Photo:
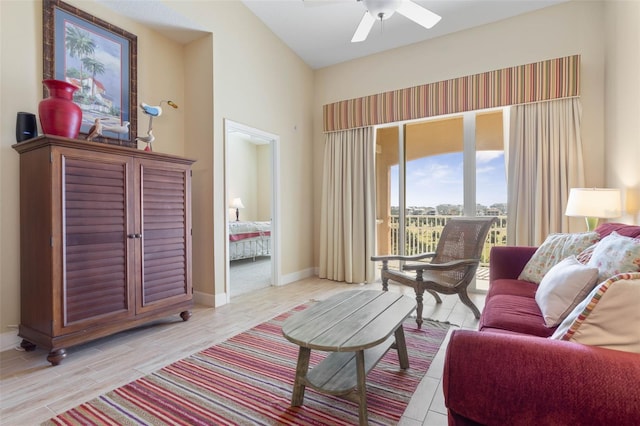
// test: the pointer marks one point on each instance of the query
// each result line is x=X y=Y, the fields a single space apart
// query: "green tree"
x=95 y=67
x=79 y=45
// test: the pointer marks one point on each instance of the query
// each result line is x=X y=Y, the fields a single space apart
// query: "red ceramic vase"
x=58 y=114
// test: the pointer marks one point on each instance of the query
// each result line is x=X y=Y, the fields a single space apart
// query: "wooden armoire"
x=105 y=240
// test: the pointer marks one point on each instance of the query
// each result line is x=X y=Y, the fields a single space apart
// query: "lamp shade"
x=594 y=202
x=237 y=203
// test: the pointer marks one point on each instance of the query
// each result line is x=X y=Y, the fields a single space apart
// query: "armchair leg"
x=435 y=295
x=419 y=293
x=385 y=280
x=464 y=298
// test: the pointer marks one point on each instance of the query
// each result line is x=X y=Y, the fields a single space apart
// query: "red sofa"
x=509 y=373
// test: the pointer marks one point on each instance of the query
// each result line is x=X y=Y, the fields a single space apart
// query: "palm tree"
x=79 y=44
x=96 y=67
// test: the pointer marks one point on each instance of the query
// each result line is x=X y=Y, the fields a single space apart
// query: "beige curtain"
x=545 y=162
x=347 y=226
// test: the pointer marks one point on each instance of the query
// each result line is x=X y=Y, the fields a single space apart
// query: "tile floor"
x=31 y=391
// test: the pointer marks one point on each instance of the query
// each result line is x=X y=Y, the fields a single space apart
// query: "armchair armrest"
x=509 y=261
x=415 y=257
x=446 y=266
x=493 y=378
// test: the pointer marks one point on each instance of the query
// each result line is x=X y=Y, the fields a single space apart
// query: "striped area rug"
x=248 y=380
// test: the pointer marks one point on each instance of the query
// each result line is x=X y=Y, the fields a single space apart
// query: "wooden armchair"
x=452 y=266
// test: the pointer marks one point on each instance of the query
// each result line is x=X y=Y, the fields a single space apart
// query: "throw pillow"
x=616 y=254
x=608 y=317
x=562 y=288
x=585 y=255
x=555 y=248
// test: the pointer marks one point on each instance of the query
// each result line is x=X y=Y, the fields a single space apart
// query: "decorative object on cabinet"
x=152 y=111
x=105 y=240
x=73 y=40
x=26 y=127
x=95 y=130
x=59 y=115
x=120 y=129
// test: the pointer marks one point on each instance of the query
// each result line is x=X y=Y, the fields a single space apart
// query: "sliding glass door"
x=432 y=170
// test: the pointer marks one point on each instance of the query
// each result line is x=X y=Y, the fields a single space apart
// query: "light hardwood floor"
x=32 y=391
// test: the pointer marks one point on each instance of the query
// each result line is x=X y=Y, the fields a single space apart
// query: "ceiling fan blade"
x=418 y=14
x=363 y=28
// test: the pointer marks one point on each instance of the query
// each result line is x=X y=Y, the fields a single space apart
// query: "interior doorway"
x=252 y=209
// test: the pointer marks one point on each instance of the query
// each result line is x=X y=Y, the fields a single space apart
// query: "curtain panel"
x=540 y=81
x=545 y=162
x=347 y=225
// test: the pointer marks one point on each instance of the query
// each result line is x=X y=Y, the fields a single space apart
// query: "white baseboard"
x=9 y=340
x=205 y=299
x=221 y=299
x=297 y=276
x=217 y=300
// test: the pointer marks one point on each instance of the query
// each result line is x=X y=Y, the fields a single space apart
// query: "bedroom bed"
x=248 y=240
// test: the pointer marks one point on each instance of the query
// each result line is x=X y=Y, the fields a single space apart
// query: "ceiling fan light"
x=381 y=9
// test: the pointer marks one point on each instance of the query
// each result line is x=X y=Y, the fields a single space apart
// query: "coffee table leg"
x=297 y=398
x=401 y=346
x=362 y=388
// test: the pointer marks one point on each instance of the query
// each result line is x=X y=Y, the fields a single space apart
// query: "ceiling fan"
x=383 y=9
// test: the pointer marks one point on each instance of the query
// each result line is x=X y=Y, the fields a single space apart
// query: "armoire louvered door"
x=97 y=257
x=166 y=233
x=105 y=240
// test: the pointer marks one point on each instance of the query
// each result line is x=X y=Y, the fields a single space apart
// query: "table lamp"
x=237 y=204
x=594 y=204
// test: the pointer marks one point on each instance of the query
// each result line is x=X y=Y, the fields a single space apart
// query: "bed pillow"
x=616 y=254
x=555 y=248
x=563 y=287
x=608 y=317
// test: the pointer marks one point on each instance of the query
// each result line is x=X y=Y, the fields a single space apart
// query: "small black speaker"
x=26 y=127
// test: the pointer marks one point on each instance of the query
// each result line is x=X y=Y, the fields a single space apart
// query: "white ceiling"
x=320 y=31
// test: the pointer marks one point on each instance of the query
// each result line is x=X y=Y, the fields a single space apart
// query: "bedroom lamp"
x=593 y=204
x=237 y=204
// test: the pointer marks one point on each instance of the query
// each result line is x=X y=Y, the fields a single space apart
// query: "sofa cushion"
x=607 y=228
x=563 y=287
x=616 y=254
x=555 y=248
x=514 y=313
x=608 y=317
x=512 y=287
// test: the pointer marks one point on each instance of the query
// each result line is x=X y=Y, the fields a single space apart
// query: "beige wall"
x=242 y=175
x=199 y=94
x=622 y=104
x=260 y=83
x=572 y=28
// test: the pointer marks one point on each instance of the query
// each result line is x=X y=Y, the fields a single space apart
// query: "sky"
x=438 y=180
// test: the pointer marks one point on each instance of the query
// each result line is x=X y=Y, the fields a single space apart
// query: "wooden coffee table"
x=358 y=328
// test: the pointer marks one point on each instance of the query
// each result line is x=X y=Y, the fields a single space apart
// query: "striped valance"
x=540 y=81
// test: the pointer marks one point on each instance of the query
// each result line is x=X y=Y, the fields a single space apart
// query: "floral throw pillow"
x=616 y=254
x=555 y=248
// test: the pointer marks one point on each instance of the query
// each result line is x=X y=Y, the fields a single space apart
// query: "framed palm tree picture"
x=100 y=59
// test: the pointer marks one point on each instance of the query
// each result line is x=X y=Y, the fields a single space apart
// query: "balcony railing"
x=423 y=233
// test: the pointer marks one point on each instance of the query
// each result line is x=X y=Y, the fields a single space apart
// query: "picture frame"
x=99 y=58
